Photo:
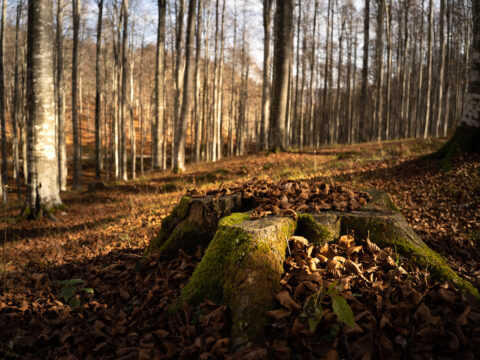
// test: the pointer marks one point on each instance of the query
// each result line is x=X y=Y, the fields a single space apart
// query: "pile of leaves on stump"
x=286 y=197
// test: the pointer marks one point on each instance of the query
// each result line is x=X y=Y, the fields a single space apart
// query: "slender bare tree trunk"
x=159 y=88
x=205 y=107
x=214 y=142
x=267 y=20
x=123 y=104
x=311 y=106
x=339 y=77
x=233 y=87
x=404 y=96
x=379 y=76
x=77 y=152
x=302 y=141
x=42 y=187
x=364 y=94
x=179 y=159
x=297 y=125
x=116 y=73
x=429 y=70
x=219 y=114
x=179 y=64
x=283 y=44
x=98 y=91
x=420 y=78
x=4 y=170
x=389 y=69
x=16 y=100
x=354 y=119
x=326 y=77
x=140 y=104
x=196 y=91
x=62 y=145
x=441 y=70
x=105 y=121
x=133 y=143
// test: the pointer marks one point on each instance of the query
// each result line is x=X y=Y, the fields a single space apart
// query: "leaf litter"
x=399 y=312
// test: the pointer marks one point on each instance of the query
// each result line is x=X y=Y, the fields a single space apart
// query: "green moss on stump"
x=394 y=232
x=312 y=230
x=242 y=268
x=169 y=223
x=181 y=238
x=229 y=245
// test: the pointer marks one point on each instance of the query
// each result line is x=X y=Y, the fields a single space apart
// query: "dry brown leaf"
x=346 y=241
x=286 y=300
x=278 y=314
x=372 y=247
x=354 y=250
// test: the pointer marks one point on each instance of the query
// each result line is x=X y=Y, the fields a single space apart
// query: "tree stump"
x=243 y=263
x=242 y=268
x=194 y=222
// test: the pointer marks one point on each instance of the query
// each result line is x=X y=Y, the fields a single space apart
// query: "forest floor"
x=101 y=234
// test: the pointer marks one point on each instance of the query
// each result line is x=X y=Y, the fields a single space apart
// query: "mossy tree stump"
x=242 y=268
x=243 y=263
x=194 y=222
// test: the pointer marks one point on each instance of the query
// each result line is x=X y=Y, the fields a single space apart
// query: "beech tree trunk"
x=364 y=94
x=159 y=88
x=426 y=128
x=267 y=19
x=178 y=76
x=98 y=91
x=4 y=168
x=61 y=136
x=379 y=77
x=179 y=158
x=123 y=100
x=471 y=108
x=16 y=108
x=77 y=152
x=283 y=44
x=42 y=187
x=467 y=135
x=441 y=70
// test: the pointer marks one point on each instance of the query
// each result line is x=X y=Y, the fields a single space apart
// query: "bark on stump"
x=243 y=263
x=194 y=222
x=242 y=268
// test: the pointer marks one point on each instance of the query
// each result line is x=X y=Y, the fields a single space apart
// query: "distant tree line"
x=84 y=80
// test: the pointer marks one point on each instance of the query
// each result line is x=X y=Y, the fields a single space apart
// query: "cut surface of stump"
x=243 y=262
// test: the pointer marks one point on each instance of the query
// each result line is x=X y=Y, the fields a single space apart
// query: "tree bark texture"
x=42 y=187
x=283 y=32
